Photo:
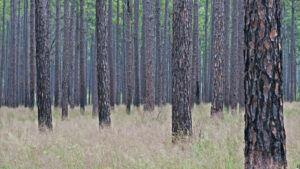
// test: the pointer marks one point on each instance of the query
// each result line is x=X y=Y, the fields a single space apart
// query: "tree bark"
x=77 y=55
x=82 y=63
x=293 y=57
x=65 y=72
x=165 y=55
x=195 y=65
x=26 y=87
x=32 y=53
x=218 y=59
x=43 y=64
x=57 y=55
x=205 y=64
x=136 y=53
x=158 y=74
x=181 y=110
x=102 y=69
x=110 y=54
x=148 y=55
x=128 y=55
x=71 y=61
x=118 y=58
x=3 y=52
x=264 y=127
x=226 y=54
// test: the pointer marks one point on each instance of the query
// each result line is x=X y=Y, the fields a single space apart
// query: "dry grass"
x=138 y=140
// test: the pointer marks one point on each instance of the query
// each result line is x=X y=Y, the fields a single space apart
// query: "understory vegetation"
x=138 y=140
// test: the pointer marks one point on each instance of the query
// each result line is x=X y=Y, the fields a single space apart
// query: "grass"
x=139 y=140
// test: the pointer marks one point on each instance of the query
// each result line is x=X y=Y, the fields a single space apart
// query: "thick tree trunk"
x=82 y=63
x=65 y=72
x=128 y=55
x=149 y=55
x=102 y=69
x=43 y=64
x=32 y=53
x=195 y=66
x=181 y=110
x=264 y=127
x=57 y=55
x=226 y=54
x=218 y=58
x=136 y=52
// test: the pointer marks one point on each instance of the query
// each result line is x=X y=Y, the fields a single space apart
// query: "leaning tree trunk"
x=102 y=69
x=218 y=43
x=149 y=55
x=65 y=72
x=82 y=63
x=181 y=110
x=264 y=127
x=43 y=64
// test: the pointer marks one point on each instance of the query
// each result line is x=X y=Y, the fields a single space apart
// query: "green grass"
x=138 y=140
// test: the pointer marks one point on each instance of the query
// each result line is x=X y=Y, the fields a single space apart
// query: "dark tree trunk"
x=77 y=54
x=82 y=63
x=95 y=81
x=158 y=73
x=212 y=50
x=65 y=72
x=181 y=110
x=57 y=55
x=128 y=55
x=293 y=57
x=102 y=69
x=205 y=66
x=71 y=61
x=234 y=57
x=43 y=64
x=240 y=53
x=136 y=52
x=26 y=88
x=118 y=58
x=165 y=55
x=226 y=54
x=3 y=52
x=110 y=54
x=18 y=81
x=264 y=127
x=124 y=74
x=195 y=66
x=142 y=62
x=32 y=53
x=12 y=58
x=218 y=58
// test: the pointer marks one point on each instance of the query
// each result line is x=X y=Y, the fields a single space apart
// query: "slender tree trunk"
x=32 y=53
x=18 y=81
x=218 y=59
x=118 y=58
x=264 y=127
x=26 y=87
x=102 y=71
x=57 y=55
x=82 y=63
x=293 y=57
x=205 y=66
x=165 y=55
x=240 y=53
x=95 y=80
x=3 y=52
x=212 y=52
x=158 y=75
x=181 y=110
x=43 y=64
x=234 y=57
x=124 y=73
x=64 y=98
x=149 y=55
x=142 y=62
x=136 y=52
x=76 y=73
x=71 y=61
x=110 y=54
x=195 y=65
x=128 y=55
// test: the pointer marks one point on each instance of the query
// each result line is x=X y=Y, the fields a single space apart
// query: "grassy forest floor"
x=138 y=140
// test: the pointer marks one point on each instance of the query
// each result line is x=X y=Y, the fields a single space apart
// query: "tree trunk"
x=26 y=88
x=43 y=64
x=71 y=61
x=95 y=81
x=136 y=52
x=226 y=54
x=32 y=53
x=128 y=54
x=264 y=127
x=205 y=64
x=158 y=73
x=165 y=55
x=195 y=65
x=77 y=54
x=148 y=55
x=240 y=53
x=293 y=57
x=110 y=54
x=102 y=69
x=82 y=63
x=65 y=72
x=218 y=59
x=57 y=55
x=234 y=57
x=3 y=52
x=118 y=58
x=181 y=110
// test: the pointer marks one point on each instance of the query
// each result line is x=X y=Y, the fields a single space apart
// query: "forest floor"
x=139 y=140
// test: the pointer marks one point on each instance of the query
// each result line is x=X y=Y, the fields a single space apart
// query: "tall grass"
x=138 y=140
